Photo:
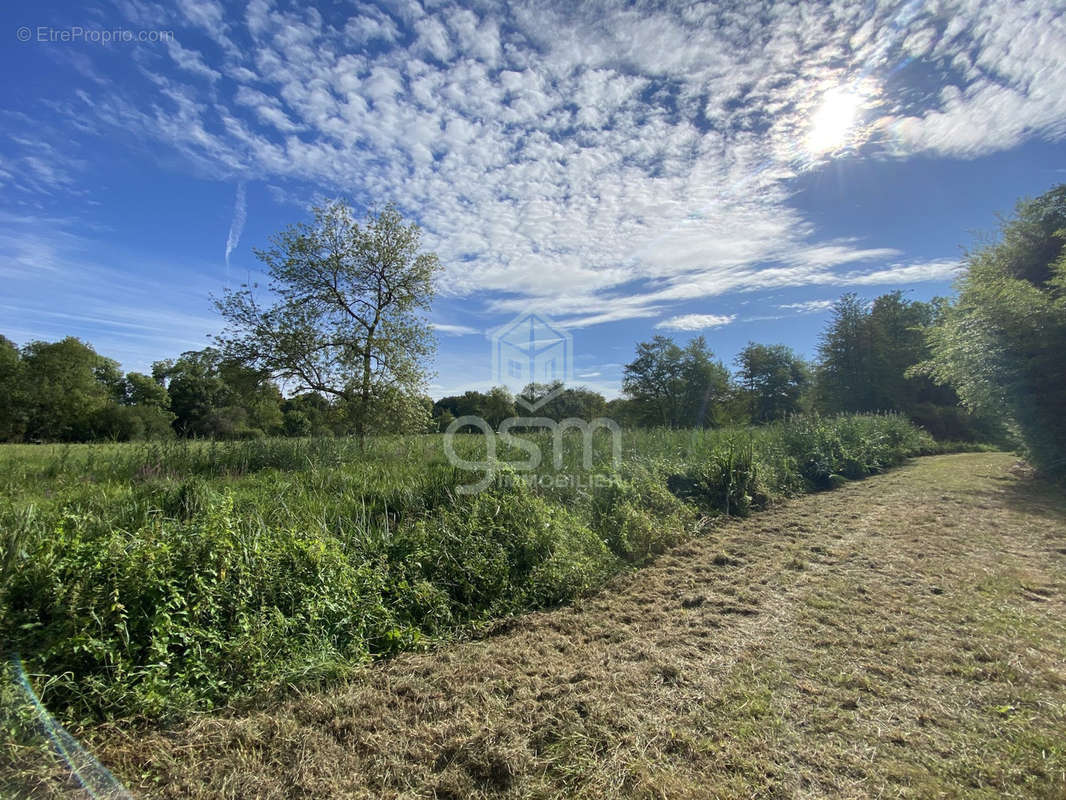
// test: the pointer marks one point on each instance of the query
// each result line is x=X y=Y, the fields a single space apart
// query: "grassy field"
x=902 y=636
x=147 y=582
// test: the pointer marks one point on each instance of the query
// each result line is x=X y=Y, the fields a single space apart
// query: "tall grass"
x=153 y=579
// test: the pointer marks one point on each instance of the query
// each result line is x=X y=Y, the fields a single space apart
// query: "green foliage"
x=324 y=418
x=774 y=380
x=132 y=423
x=848 y=447
x=866 y=352
x=346 y=318
x=493 y=406
x=729 y=480
x=869 y=354
x=673 y=386
x=62 y=388
x=639 y=515
x=508 y=550
x=567 y=402
x=1001 y=344
x=145 y=390
x=160 y=577
x=187 y=611
x=296 y=423
x=12 y=422
x=496 y=405
x=211 y=396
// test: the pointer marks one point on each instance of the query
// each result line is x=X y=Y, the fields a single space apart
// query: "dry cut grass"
x=904 y=636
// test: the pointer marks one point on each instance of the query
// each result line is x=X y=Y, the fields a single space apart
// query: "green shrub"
x=638 y=516
x=728 y=481
x=188 y=614
x=502 y=550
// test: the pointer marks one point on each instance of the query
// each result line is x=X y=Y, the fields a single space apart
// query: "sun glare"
x=834 y=121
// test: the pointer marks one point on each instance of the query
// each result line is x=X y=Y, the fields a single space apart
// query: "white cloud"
x=602 y=164
x=898 y=274
x=206 y=14
x=371 y=24
x=695 y=322
x=454 y=330
x=1011 y=86
x=809 y=306
x=191 y=61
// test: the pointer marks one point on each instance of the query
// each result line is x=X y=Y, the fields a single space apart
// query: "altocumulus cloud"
x=578 y=155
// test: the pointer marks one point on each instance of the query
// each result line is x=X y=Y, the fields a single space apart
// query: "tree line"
x=343 y=328
x=65 y=391
x=868 y=360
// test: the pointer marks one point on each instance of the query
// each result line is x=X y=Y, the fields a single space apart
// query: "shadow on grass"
x=1022 y=491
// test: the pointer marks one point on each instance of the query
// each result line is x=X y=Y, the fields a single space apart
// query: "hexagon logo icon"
x=532 y=352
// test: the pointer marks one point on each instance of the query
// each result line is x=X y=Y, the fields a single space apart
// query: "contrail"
x=240 y=212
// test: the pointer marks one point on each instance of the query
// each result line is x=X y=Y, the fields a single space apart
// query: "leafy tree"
x=442 y=418
x=296 y=423
x=65 y=385
x=12 y=422
x=145 y=390
x=211 y=396
x=123 y=423
x=253 y=391
x=393 y=411
x=497 y=406
x=845 y=374
x=1001 y=346
x=623 y=411
x=577 y=402
x=152 y=422
x=470 y=403
x=898 y=333
x=196 y=389
x=867 y=354
x=674 y=386
x=774 y=380
x=493 y=406
x=319 y=412
x=573 y=402
x=347 y=318
x=143 y=413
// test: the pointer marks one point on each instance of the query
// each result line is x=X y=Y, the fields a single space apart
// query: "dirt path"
x=901 y=636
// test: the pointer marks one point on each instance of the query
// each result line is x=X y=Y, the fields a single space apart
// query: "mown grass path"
x=903 y=636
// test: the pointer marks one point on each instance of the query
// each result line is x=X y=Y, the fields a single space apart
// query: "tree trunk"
x=364 y=396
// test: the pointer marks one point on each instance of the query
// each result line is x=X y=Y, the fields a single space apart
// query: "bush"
x=188 y=614
x=507 y=550
x=638 y=516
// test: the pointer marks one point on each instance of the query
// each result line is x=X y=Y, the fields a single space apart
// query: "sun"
x=834 y=121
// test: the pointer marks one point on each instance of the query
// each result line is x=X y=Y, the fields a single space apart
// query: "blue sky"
x=715 y=169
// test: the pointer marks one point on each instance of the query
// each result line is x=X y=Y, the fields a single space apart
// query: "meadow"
x=153 y=580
